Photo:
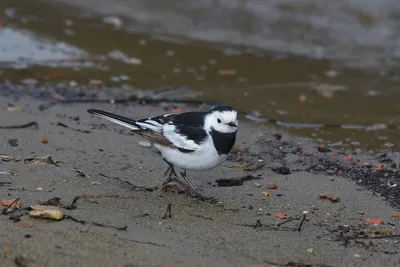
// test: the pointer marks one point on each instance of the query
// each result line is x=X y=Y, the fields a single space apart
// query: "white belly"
x=204 y=158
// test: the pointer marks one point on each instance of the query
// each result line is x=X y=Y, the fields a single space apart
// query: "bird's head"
x=222 y=119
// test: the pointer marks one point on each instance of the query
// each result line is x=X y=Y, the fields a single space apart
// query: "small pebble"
x=256 y=184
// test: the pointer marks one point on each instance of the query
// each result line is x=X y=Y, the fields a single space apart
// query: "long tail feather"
x=124 y=121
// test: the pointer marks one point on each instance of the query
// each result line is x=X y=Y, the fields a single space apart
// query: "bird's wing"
x=181 y=131
x=185 y=138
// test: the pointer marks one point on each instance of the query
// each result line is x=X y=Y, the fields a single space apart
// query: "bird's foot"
x=178 y=186
x=175 y=185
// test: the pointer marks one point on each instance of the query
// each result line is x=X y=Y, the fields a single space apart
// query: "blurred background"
x=305 y=63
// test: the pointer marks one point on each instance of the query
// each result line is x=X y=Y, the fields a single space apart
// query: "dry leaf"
x=375 y=221
x=7 y=202
x=44 y=141
x=272 y=186
x=396 y=215
x=330 y=197
x=379 y=167
x=280 y=215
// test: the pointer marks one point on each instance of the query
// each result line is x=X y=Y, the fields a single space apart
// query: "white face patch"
x=221 y=121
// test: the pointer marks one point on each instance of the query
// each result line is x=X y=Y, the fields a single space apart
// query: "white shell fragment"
x=46 y=212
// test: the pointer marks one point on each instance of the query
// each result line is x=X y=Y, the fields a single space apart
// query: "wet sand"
x=199 y=233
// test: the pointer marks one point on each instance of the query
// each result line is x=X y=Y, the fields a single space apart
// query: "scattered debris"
x=229 y=181
x=235 y=181
x=333 y=199
x=41 y=161
x=26 y=125
x=120 y=228
x=12 y=142
x=265 y=194
x=5 y=158
x=68 y=127
x=9 y=208
x=375 y=221
x=323 y=149
x=80 y=173
x=294 y=264
x=10 y=203
x=56 y=202
x=280 y=215
x=272 y=186
x=282 y=170
x=46 y=212
x=168 y=212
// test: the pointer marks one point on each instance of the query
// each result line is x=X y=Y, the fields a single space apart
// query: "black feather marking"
x=193 y=119
x=184 y=150
x=196 y=134
x=223 y=142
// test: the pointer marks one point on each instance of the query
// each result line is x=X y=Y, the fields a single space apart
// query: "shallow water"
x=72 y=44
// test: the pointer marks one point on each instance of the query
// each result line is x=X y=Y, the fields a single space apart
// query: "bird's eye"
x=219 y=121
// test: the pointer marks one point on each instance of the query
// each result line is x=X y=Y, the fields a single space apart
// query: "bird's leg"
x=170 y=169
x=183 y=173
x=174 y=183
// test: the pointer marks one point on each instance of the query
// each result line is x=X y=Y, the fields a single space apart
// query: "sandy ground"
x=199 y=233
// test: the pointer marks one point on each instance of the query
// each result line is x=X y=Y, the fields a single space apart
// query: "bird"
x=195 y=140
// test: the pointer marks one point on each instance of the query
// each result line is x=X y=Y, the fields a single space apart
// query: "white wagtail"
x=190 y=140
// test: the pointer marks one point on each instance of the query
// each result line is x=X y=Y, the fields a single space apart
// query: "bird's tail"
x=129 y=123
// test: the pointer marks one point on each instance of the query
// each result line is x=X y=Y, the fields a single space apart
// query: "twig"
x=68 y=127
x=303 y=216
x=302 y=222
x=290 y=219
x=129 y=184
x=258 y=224
x=120 y=228
x=10 y=205
x=80 y=173
x=26 y=125
x=168 y=212
x=148 y=243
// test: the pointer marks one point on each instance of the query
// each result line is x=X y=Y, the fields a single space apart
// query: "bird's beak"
x=232 y=124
